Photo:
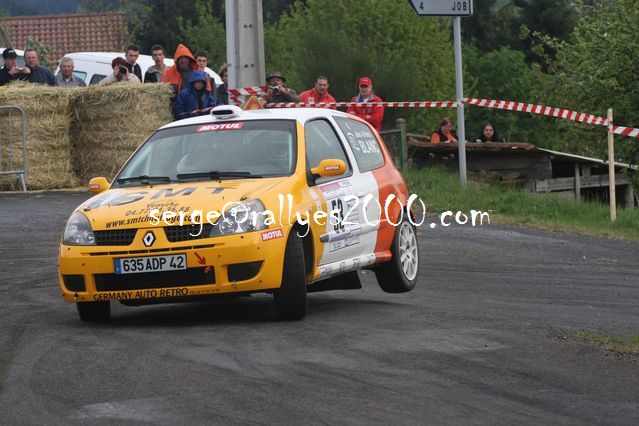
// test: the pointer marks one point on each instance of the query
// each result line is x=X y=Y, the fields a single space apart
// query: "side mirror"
x=98 y=184
x=329 y=167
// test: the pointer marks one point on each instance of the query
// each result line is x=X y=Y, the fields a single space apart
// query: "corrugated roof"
x=69 y=32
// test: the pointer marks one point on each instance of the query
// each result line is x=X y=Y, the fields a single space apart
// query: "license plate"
x=134 y=265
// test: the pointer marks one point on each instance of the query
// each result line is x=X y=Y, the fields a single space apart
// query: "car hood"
x=122 y=208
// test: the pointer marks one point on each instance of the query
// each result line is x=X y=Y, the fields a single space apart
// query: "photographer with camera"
x=277 y=92
x=120 y=73
x=10 y=71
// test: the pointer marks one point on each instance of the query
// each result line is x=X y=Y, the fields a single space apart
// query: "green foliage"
x=205 y=32
x=628 y=345
x=503 y=74
x=159 y=23
x=408 y=57
x=441 y=191
x=598 y=69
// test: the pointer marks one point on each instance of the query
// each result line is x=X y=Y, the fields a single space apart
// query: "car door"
x=349 y=241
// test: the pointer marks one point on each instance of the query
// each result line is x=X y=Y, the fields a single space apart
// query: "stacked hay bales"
x=48 y=143
x=109 y=122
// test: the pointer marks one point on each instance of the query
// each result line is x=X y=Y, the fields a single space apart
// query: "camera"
x=275 y=89
x=123 y=70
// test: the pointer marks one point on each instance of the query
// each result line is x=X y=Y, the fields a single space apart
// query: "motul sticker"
x=331 y=168
x=221 y=126
x=269 y=235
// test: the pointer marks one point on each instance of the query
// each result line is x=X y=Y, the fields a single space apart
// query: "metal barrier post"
x=20 y=173
x=401 y=124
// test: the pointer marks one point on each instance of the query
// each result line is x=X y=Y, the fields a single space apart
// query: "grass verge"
x=622 y=345
x=440 y=191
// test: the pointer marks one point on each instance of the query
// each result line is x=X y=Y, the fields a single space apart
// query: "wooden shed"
x=528 y=166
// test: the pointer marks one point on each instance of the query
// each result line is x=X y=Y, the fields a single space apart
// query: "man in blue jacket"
x=195 y=99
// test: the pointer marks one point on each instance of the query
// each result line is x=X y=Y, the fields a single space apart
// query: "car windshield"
x=226 y=150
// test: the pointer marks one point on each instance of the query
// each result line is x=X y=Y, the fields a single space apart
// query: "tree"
x=597 y=69
x=206 y=32
x=408 y=57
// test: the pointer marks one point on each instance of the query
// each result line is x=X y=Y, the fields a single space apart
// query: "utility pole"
x=245 y=43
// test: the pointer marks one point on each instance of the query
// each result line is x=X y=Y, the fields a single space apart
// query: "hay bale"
x=109 y=122
x=48 y=144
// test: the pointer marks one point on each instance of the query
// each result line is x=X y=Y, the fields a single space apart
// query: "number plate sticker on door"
x=133 y=265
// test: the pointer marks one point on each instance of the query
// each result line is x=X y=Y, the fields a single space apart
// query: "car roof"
x=301 y=114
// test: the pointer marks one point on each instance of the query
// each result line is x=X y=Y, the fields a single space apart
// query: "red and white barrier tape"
x=553 y=112
x=488 y=103
x=434 y=104
x=539 y=109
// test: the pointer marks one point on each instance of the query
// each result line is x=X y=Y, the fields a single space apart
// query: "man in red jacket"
x=319 y=93
x=370 y=113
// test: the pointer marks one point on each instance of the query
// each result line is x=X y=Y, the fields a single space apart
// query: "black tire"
x=393 y=276
x=94 y=311
x=290 y=298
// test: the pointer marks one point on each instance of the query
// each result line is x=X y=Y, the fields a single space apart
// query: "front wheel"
x=290 y=298
x=400 y=274
x=94 y=311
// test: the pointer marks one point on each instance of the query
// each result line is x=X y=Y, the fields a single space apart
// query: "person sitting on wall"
x=445 y=133
x=120 y=73
x=195 y=99
x=488 y=134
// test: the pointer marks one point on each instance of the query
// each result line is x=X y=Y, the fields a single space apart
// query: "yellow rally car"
x=285 y=201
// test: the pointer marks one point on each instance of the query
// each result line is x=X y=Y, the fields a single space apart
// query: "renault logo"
x=148 y=239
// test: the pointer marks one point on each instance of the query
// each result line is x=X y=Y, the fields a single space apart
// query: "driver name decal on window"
x=222 y=126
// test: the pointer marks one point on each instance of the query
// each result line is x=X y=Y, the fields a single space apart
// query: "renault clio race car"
x=283 y=201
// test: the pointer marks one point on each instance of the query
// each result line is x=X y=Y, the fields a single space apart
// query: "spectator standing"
x=201 y=62
x=131 y=56
x=371 y=113
x=120 y=73
x=222 y=91
x=38 y=74
x=155 y=71
x=277 y=91
x=488 y=134
x=195 y=99
x=319 y=93
x=179 y=74
x=445 y=133
x=65 y=77
x=10 y=71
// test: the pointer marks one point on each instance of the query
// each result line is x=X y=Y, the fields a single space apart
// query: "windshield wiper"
x=145 y=179
x=216 y=174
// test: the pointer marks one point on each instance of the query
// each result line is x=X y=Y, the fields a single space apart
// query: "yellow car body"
x=129 y=231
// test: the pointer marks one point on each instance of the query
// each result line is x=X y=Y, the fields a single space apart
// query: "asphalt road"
x=488 y=336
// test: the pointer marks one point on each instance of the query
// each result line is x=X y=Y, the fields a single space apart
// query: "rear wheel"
x=94 y=311
x=400 y=274
x=290 y=298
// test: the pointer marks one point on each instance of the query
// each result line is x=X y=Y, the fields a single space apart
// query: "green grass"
x=622 y=345
x=440 y=190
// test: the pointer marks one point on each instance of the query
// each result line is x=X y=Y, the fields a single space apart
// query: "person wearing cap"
x=10 y=71
x=195 y=99
x=371 y=113
x=319 y=93
x=38 y=74
x=65 y=77
x=120 y=73
x=277 y=91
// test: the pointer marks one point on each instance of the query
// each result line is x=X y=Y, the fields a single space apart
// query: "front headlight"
x=78 y=231
x=238 y=218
